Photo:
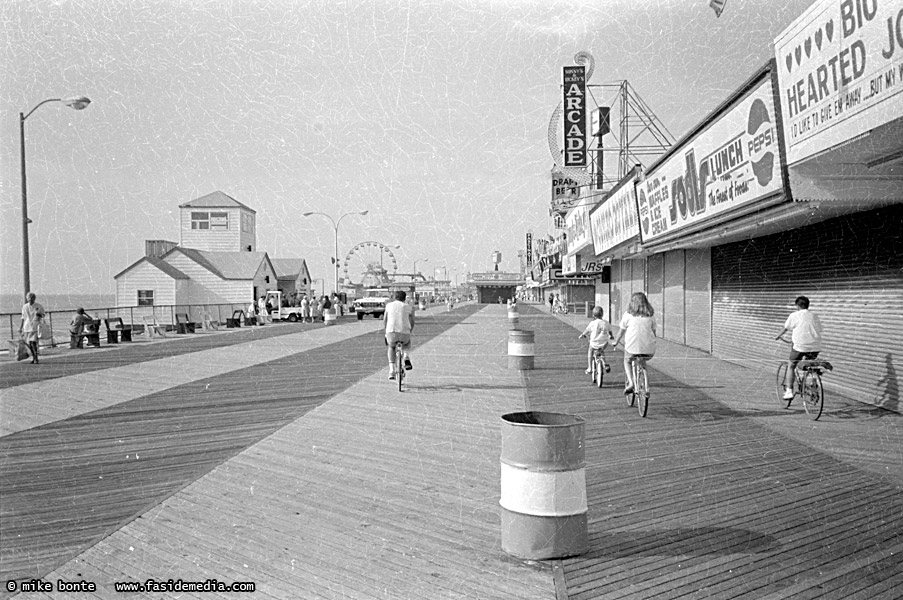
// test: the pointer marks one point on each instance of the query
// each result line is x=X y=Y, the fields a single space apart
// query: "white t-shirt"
x=806 y=329
x=598 y=332
x=639 y=334
x=398 y=317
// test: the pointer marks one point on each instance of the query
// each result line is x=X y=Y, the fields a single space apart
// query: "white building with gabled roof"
x=215 y=262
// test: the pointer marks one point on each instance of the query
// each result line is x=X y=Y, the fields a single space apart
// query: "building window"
x=219 y=221
x=200 y=220
x=145 y=297
x=246 y=223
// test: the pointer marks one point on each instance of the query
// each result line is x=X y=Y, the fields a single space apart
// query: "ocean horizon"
x=12 y=303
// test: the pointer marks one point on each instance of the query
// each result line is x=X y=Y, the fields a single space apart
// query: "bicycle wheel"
x=631 y=397
x=600 y=371
x=593 y=368
x=399 y=366
x=780 y=385
x=642 y=390
x=813 y=395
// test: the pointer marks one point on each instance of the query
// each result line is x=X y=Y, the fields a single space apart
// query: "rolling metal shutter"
x=851 y=268
x=698 y=298
x=655 y=278
x=672 y=321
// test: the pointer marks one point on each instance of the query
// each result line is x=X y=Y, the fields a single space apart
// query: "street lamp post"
x=417 y=261
x=335 y=227
x=77 y=103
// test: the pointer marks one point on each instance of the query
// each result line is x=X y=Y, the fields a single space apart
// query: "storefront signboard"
x=732 y=163
x=574 y=79
x=578 y=233
x=495 y=276
x=565 y=192
x=840 y=73
x=558 y=275
x=615 y=221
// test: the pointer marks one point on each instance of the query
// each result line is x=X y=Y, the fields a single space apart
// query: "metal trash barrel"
x=589 y=310
x=543 y=485
x=520 y=349
x=329 y=316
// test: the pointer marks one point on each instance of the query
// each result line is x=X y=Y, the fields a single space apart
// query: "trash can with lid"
x=543 y=485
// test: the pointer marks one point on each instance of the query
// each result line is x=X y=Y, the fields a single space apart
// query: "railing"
x=131 y=315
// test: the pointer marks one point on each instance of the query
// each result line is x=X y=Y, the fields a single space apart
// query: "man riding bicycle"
x=399 y=320
x=806 y=329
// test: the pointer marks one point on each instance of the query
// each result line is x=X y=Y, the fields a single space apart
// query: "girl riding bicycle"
x=638 y=331
x=599 y=332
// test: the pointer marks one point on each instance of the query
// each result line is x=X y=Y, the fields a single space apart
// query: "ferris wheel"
x=370 y=264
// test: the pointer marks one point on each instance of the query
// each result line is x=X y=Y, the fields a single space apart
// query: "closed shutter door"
x=655 y=282
x=673 y=318
x=616 y=308
x=698 y=298
x=850 y=268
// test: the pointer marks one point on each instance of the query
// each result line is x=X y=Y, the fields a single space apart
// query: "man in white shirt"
x=806 y=330
x=399 y=320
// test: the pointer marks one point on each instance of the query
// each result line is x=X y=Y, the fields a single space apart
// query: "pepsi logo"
x=761 y=142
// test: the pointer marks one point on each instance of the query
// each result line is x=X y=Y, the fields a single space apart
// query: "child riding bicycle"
x=637 y=328
x=599 y=332
x=806 y=330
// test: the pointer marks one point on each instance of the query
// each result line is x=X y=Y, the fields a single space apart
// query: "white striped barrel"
x=520 y=349
x=543 y=485
x=329 y=316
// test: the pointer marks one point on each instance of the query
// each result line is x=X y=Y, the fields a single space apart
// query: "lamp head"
x=363 y=212
x=307 y=214
x=77 y=102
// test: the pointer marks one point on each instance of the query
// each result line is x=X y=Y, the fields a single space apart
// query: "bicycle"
x=598 y=367
x=399 y=364
x=806 y=384
x=640 y=393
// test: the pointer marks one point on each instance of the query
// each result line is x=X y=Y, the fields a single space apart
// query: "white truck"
x=279 y=312
x=373 y=303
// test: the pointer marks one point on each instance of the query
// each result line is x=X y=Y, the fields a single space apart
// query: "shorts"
x=628 y=356
x=404 y=338
x=796 y=356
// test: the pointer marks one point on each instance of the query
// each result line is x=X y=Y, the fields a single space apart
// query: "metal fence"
x=134 y=316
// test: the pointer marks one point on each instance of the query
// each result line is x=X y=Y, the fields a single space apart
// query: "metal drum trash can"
x=329 y=316
x=520 y=349
x=543 y=485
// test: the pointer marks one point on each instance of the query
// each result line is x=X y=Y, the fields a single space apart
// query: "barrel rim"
x=568 y=420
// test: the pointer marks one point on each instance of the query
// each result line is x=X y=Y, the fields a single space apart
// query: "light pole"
x=335 y=226
x=77 y=103
x=417 y=261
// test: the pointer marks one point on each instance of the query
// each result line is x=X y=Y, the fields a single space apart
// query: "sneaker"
x=392 y=376
x=628 y=390
x=588 y=371
x=788 y=394
x=407 y=364
x=607 y=369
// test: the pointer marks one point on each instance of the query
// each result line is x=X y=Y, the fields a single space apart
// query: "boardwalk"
x=281 y=456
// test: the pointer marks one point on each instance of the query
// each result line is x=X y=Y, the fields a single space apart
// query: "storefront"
x=496 y=286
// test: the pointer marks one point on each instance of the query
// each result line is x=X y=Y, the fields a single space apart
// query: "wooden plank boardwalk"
x=307 y=473
x=702 y=500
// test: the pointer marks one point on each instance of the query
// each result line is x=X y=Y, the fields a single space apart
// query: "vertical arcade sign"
x=529 y=249
x=574 y=78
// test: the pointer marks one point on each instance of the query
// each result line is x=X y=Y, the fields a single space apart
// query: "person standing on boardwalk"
x=30 y=325
x=305 y=309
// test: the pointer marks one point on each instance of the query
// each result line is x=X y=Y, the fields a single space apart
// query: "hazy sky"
x=432 y=115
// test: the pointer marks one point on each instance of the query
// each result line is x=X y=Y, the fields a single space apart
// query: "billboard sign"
x=578 y=234
x=574 y=78
x=615 y=221
x=733 y=162
x=840 y=73
x=565 y=192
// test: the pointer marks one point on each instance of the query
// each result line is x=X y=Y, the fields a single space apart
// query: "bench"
x=117 y=331
x=90 y=333
x=235 y=319
x=183 y=325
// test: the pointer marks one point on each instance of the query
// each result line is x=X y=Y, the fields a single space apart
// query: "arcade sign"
x=574 y=78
